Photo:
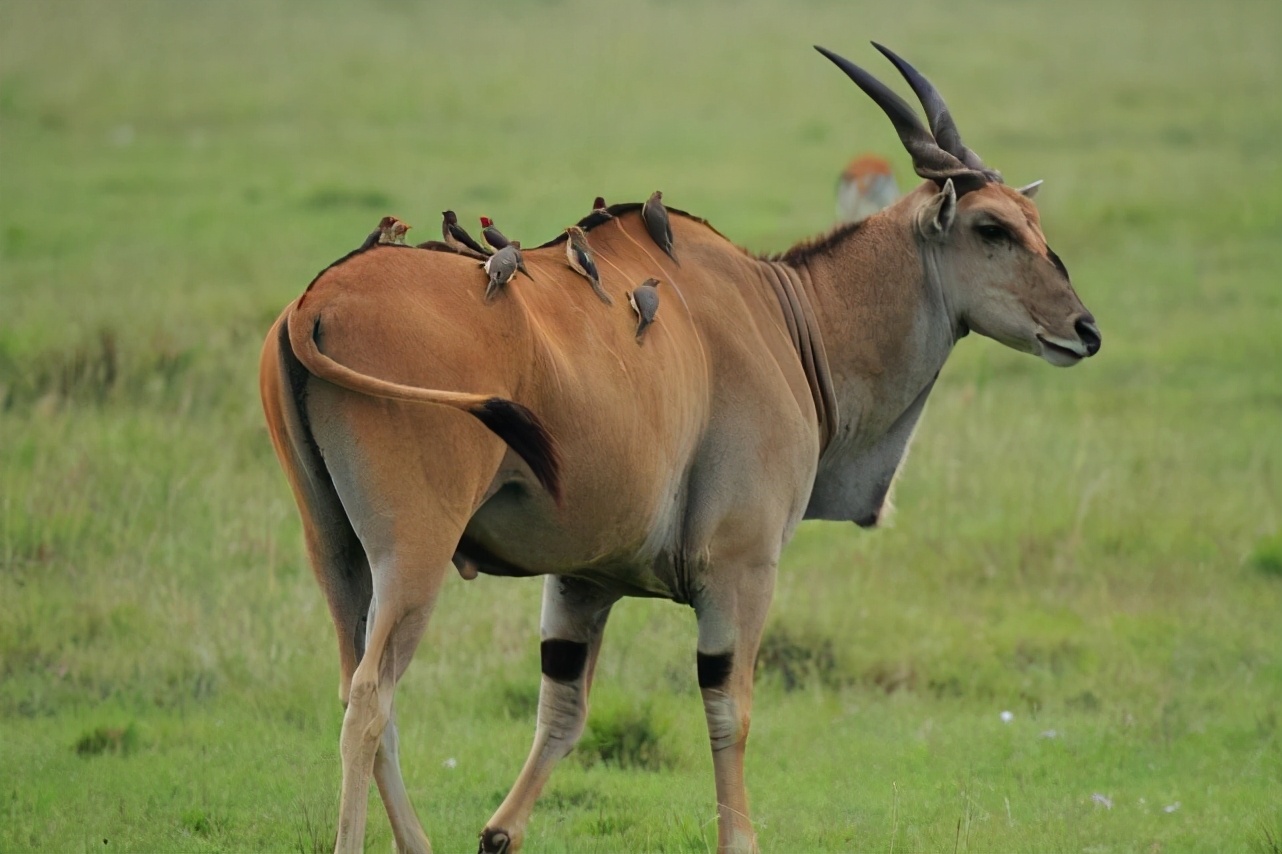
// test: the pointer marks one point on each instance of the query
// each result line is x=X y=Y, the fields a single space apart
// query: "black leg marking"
x=563 y=660
x=714 y=670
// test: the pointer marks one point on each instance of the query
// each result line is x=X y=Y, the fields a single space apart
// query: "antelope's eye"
x=992 y=232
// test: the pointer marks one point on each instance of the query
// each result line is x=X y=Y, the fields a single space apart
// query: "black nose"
x=1089 y=333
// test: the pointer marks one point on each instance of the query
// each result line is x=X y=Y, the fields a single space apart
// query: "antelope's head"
x=982 y=241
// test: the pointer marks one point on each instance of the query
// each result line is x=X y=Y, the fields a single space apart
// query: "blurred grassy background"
x=1097 y=551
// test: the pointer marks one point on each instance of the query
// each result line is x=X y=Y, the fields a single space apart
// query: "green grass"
x=1097 y=551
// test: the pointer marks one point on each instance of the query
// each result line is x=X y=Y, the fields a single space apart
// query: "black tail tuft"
x=520 y=428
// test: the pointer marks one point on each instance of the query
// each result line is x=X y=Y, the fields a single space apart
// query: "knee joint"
x=726 y=727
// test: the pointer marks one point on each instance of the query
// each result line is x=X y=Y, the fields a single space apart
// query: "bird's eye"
x=992 y=232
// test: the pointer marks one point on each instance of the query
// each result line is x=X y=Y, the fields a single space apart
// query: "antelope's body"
x=767 y=391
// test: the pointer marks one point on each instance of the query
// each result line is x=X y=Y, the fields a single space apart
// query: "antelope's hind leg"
x=369 y=742
x=343 y=571
x=572 y=625
x=408 y=503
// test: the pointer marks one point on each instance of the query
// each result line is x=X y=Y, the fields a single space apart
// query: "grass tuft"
x=625 y=734
x=797 y=659
x=104 y=739
x=314 y=828
x=1266 y=556
x=1267 y=839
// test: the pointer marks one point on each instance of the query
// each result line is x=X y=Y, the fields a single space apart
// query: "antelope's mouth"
x=1061 y=354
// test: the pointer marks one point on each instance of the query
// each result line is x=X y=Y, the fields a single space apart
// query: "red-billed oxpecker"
x=392 y=230
x=502 y=266
x=579 y=256
x=456 y=236
x=645 y=302
x=655 y=217
x=492 y=235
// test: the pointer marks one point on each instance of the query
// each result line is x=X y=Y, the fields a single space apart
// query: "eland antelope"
x=418 y=425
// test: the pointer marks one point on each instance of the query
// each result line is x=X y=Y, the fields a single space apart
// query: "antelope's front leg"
x=732 y=612
x=573 y=622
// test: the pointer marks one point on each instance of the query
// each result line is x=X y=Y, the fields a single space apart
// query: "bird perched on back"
x=502 y=266
x=866 y=186
x=456 y=236
x=492 y=235
x=392 y=230
x=579 y=254
x=655 y=217
x=645 y=302
x=599 y=207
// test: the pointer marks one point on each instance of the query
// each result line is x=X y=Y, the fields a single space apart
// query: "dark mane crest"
x=588 y=223
x=597 y=218
x=815 y=246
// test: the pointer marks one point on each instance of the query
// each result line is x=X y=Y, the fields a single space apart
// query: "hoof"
x=494 y=841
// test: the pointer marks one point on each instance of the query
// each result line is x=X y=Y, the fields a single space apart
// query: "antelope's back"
x=629 y=418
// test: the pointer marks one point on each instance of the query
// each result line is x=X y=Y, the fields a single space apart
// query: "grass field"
x=1097 y=551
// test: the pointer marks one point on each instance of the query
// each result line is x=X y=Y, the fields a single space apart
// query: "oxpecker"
x=655 y=217
x=502 y=266
x=492 y=235
x=456 y=236
x=392 y=230
x=581 y=261
x=645 y=302
x=599 y=207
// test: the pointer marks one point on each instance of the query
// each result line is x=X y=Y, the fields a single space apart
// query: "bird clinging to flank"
x=392 y=230
x=456 y=236
x=655 y=217
x=492 y=235
x=645 y=302
x=581 y=261
x=502 y=266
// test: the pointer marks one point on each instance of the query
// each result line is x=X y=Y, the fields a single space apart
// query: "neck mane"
x=878 y=324
x=876 y=333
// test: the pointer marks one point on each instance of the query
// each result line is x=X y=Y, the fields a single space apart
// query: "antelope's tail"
x=510 y=421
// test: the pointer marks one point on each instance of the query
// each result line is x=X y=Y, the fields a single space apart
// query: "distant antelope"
x=769 y=390
x=866 y=185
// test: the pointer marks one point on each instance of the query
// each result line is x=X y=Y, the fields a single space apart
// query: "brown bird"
x=456 y=235
x=599 y=206
x=502 y=266
x=492 y=235
x=645 y=302
x=579 y=254
x=655 y=217
x=392 y=230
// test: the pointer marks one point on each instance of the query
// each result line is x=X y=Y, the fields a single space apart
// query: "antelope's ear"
x=935 y=218
x=1030 y=190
